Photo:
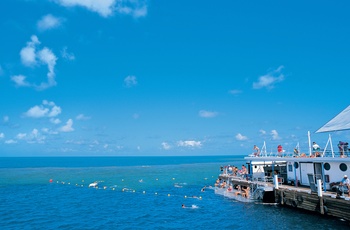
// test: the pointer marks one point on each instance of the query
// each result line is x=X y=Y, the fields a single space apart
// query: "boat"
x=266 y=171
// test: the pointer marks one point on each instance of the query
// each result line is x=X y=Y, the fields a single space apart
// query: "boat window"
x=290 y=168
x=327 y=166
x=296 y=165
x=343 y=167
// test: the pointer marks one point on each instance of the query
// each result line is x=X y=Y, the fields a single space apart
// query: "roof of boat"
x=275 y=159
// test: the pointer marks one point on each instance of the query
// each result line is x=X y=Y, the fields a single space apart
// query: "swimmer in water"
x=183 y=206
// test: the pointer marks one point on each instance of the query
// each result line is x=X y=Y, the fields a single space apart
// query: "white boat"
x=265 y=171
x=326 y=164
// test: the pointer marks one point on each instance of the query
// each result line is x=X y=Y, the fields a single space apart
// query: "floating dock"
x=325 y=203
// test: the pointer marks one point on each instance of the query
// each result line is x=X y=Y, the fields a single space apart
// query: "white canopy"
x=339 y=122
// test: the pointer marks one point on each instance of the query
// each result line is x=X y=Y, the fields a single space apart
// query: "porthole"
x=296 y=165
x=343 y=167
x=327 y=166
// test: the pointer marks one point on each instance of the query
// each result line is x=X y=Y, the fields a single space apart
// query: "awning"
x=339 y=122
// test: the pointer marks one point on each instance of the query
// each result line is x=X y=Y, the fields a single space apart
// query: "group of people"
x=233 y=170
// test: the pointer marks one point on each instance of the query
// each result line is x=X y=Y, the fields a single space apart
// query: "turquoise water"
x=133 y=193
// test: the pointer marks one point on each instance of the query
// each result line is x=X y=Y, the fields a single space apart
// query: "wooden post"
x=319 y=193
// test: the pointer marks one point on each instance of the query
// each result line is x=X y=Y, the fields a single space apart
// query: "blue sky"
x=133 y=77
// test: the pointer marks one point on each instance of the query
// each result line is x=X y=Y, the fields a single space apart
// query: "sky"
x=177 y=78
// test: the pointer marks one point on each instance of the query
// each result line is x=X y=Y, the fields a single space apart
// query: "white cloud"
x=27 y=54
x=33 y=137
x=55 y=121
x=48 y=22
x=66 y=55
x=262 y=132
x=32 y=58
x=269 y=80
x=46 y=109
x=130 y=81
x=166 y=146
x=2 y=135
x=82 y=117
x=240 y=137
x=275 y=135
x=207 y=114
x=11 y=141
x=189 y=143
x=20 y=81
x=106 y=8
x=21 y=136
x=68 y=127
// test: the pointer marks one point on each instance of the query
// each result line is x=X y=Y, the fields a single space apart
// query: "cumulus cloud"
x=11 y=141
x=166 y=146
x=130 y=81
x=32 y=137
x=2 y=135
x=189 y=143
x=55 y=121
x=82 y=117
x=46 y=109
x=106 y=8
x=20 y=81
x=262 y=132
x=66 y=55
x=48 y=22
x=274 y=135
x=240 y=137
x=31 y=57
x=27 y=54
x=68 y=127
x=269 y=80
x=21 y=136
x=207 y=114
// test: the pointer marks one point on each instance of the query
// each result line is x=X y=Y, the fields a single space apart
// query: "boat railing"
x=319 y=153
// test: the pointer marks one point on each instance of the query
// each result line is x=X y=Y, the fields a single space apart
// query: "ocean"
x=133 y=193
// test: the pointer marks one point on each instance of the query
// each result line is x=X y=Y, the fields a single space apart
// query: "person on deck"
x=279 y=150
x=315 y=146
x=257 y=151
x=346 y=182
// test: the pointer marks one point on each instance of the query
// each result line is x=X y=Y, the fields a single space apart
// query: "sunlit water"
x=133 y=193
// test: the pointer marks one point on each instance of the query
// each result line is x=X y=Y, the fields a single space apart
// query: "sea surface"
x=133 y=193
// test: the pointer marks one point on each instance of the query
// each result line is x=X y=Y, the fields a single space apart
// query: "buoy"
x=168 y=194
x=185 y=196
x=143 y=192
x=155 y=193
x=50 y=180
